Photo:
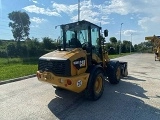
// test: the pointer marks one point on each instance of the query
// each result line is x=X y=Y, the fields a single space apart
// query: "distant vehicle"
x=156 y=45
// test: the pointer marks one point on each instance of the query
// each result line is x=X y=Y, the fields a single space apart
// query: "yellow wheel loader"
x=156 y=46
x=80 y=63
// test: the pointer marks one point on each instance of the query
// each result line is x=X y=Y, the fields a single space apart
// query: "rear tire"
x=114 y=72
x=95 y=86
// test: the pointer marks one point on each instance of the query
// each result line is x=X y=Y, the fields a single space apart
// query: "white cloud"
x=88 y=11
x=144 y=10
x=143 y=22
x=34 y=1
x=150 y=24
x=123 y=7
x=129 y=32
x=116 y=6
x=64 y=8
x=37 y=20
x=38 y=10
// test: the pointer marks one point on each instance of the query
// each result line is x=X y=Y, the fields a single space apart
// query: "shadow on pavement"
x=123 y=101
x=65 y=102
x=133 y=78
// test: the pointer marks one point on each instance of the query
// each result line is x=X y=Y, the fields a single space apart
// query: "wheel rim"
x=118 y=73
x=98 y=85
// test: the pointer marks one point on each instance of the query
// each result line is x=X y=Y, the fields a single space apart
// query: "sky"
x=134 y=19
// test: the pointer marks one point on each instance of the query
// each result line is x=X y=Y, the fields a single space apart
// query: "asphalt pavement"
x=136 y=97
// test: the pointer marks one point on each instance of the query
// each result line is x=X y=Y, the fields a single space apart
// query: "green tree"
x=113 y=40
x=126 y=46
x=136 y=48
x=143 y=47
x=33 y=47
x=48 y=43
x=20 y=24
x=11 y=50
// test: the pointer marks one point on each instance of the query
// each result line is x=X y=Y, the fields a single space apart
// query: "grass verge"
x=17 y=70
x=121 y=55
x=17 y=67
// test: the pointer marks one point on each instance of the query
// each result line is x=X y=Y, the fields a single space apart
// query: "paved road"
x=136 y=97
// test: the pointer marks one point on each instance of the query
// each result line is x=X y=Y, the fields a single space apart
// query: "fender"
x=91 y=69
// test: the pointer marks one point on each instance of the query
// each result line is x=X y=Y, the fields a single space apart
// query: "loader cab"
x=82 y=34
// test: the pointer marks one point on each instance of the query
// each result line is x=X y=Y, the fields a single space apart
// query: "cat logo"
x=82 y=63
x=79 y=63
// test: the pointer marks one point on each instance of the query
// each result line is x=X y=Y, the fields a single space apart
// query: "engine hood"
x=61 y=55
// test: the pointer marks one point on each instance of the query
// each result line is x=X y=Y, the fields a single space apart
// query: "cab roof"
x=79 y=23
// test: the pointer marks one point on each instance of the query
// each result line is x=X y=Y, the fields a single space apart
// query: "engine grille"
x=57 y=67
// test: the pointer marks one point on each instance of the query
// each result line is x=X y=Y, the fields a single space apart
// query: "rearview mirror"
x=106 y=33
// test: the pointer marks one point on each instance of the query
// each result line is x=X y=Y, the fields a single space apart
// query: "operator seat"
x=76 y=43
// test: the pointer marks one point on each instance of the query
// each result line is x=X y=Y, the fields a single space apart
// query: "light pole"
x=120 y=39
x=78 y=10
x=131 y=44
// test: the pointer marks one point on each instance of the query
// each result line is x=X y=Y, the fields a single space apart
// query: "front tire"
x=95 y=85
x=114 y=72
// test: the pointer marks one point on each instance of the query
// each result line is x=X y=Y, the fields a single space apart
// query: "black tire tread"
x=89 y=91
x=111 y=72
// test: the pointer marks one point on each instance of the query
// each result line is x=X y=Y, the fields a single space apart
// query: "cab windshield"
x=76 y=35
x=75 y=39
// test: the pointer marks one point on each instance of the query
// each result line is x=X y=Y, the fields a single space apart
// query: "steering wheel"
x=85 y=44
